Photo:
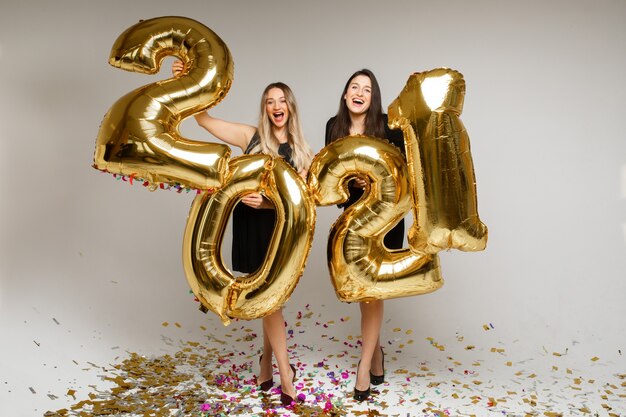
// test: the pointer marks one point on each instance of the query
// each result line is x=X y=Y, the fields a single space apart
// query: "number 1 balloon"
x=440 y=163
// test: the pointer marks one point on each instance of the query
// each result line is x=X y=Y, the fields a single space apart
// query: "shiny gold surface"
x=266 y=290
x=139 y=134
x=139 y=138
x=361 y=267
x=440 y=163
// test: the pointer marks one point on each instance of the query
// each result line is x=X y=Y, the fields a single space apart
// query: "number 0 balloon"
x=266 y=290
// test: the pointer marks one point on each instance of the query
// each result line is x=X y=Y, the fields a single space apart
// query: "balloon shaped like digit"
x=440 y=163
x=266 y=290
x=139 y=134
x=361 y=267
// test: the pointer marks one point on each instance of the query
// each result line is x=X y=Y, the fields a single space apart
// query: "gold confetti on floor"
x=216 y=377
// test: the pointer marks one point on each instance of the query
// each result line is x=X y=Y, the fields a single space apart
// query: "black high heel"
x=265 y=385
x=359 y=395
x=286 y=399
x=379 y=379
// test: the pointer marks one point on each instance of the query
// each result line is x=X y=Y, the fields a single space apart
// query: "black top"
x=253 y=228
x=394 y=239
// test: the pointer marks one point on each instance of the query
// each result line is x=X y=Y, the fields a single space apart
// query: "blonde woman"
x=278 y=134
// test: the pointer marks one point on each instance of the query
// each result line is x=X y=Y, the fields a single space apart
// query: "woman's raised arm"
x=236 y=134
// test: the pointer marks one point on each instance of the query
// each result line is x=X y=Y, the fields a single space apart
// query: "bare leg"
x=377 y=359
x=266 y=361
x=371 y=321
x=274 y=329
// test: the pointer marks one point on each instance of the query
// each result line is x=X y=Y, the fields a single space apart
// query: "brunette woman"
x=360 y=113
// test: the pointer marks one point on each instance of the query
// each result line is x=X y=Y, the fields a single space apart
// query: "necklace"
x=282 y=138
x=357 y=127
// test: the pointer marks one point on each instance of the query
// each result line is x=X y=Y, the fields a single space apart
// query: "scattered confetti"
x=217 y=377
x=153 y=186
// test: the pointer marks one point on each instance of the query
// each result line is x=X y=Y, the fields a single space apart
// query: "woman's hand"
x=359 y=182
x=177 y=67
x=255 y=200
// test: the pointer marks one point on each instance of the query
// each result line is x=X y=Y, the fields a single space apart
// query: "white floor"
x=183 y=370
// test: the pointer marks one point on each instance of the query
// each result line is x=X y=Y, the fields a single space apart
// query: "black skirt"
x=252 y=232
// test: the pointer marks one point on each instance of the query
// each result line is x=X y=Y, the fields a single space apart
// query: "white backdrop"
x=88 y=263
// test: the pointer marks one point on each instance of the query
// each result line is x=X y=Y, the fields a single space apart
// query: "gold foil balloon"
x=440 y=163
x=139 y=135
x=361 y=267
x=266 y=290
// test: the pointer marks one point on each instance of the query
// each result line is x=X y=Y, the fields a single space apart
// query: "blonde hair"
x=301 y=153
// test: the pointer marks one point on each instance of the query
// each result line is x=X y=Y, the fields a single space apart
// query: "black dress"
x=394 y=239
x=253 y=228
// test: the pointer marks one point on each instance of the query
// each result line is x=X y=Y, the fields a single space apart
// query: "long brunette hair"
x=374 y=122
